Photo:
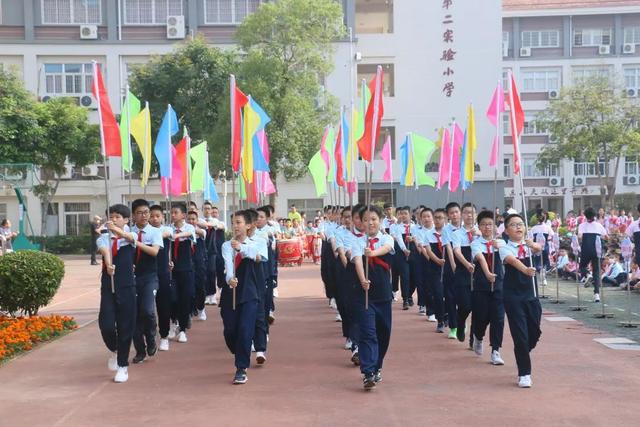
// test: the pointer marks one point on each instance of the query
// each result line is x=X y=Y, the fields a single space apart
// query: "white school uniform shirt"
x=184 y=228
x=150 y=235
x=459 y=238
x=542 y=229
x=512 y=248
x=396 y=231
x=633 y=228
x=479 y=246
x=355 y=237
x=248 y=249
x=261 y=243
x=593 y=227
x=360 y=244
x=422 y=235
x=447 y=231
x=105 y=242
x=614 y=270
x=386 y=223
x=430 y=236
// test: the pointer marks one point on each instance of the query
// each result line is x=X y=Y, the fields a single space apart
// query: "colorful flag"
x=130 y=109
x=338 y=157
x=255 y=119
x=365 y=97
x=180 y=168
x=373 y=118
x=330 y=147
x=467 y=165
x=386 y=156
x=210 y=192
x=141 y=130
x=516 y=115
x=423 y=149
x=198 y=179
x=352 y=149
x=406 y=161
x=162 y=150
x=458 y=142
x=238 y=100
x=109 y=132
x=444 y=168
x=345 y=141
x=318 y=171
x=497 y=105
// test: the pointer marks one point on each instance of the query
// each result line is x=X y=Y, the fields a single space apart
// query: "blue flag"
x=210 y=190
x=162 y=150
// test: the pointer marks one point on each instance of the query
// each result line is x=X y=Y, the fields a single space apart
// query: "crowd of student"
x=175 y=270
x=459 y=264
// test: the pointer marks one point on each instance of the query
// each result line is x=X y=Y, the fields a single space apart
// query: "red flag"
x=181 y=159
x=372 y=118
x=516 y=115
x=109 y=131
x=339 y=159
x=238 y=100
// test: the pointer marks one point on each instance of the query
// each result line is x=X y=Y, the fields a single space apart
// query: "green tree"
x=592 y=121
x=289 y=47
x=66 y=138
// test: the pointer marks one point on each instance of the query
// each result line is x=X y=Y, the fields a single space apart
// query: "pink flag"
x=267 y=184
x=352 y=187
x=444 y=169
x=324 y=153
x=497 y=105
x=458 y=142
x=517 y=122
x=493 y=159
x=386 y=156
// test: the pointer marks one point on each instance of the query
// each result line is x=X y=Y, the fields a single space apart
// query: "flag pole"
x=451 y=143
x=495 y=172
x=145 y=157
x=130 y=159
x=188 y=166
x=96 y=89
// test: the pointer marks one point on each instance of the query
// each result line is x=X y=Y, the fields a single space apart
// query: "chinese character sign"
x=448 y=49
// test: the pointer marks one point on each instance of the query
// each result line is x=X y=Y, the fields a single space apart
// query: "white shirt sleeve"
x=228 y=255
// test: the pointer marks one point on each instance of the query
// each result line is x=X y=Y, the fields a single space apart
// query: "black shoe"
x=152 y=348
x=440 y=328
x=369 y=381
x=460 y=333
x=240 y=377
x=355 y=358
x=410 y=302
x=378 y=376
x=139 y=357
x=94 y=263
x=405 y=305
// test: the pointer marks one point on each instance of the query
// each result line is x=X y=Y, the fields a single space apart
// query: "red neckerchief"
x=439 y=242
x=375 y=259
x=470 y=236
x=176 y=244
x=407 y=232
x=490 y=258
x=522 y=253
x=237 y=260
x=114 y=248
x=138 y=250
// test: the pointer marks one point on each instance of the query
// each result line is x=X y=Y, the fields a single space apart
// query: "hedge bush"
x=65 y=245
x=28 y=280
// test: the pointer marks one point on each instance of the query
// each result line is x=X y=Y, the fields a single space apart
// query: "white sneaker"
x=164 y=344
x=202 y=315
x=112 y=363
x=395 y=296
x=596 y=297
x=478 y=346
x=338 y=318
x=122 y=375
x=348 y=344
x=260 y=358
x=525 y=381
x=431 y=318
x=422 y=310
x=207 y=300
x=182 y=337
x=275 y=293
x=172 y=331
x=253 y=349
x=214 y=299
x=544 y=282
x=496 y=359
x=332 y=304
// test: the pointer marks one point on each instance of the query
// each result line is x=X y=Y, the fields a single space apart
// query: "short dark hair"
x=486 y=214
x=509 y=217
x=346 y=209
x=5 y=221
x=245 y=215
x=120 y=209
x=192 y=203
x=137 y=203
x=468 y=205
x=192 y=212
x=271 y=209
x=403 y=209
x=265 y=210
x=387 y=205
x=451 y=205
x=440 y=210
x=206 y=202
x=156 y=208
x=590 y=214
x=372 y=208
x=426 y=209
x=181 y=206
x=253 y=214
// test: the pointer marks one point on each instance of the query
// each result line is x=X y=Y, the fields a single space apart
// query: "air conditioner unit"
x=175 y=27
x=631 y=179
x=68 y=172
x=579 y=181
x=553 y=94
x=555 y=181
x=88 y=32
x=629 y=48
x=604 y=49
x=358 y=56
x=525 y=51
x=631 y=93
x=505 y=49
x=90 y=170
x=89 y=102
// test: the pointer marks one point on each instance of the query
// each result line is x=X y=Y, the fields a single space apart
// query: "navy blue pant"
x=414 y=277
x=449 y=285
x=184 y=296
x=488 y=310
x=199 y=284
x=375 y=333
x=146 y=324
x=585 y=259
x=164 y=304
x=117 y=319
x=524 y=316
x=220 y=279
x=239 y=327
x=262 y=325
x=463 y=297
x=400 y=273
x=210 y=277
x=420 y=281
x=437 y=293
x=342 y=297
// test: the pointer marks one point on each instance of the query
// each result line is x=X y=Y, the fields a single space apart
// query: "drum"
x=290 y=251
x=308 y=247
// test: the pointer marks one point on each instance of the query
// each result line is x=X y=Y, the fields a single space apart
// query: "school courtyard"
x=308 y=379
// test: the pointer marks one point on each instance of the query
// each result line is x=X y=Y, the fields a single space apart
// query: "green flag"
x=242 y=193
x=198 y=172
x=423 y=148
x=364 y=102
x=331 y=148
x=130 y=109
x=318 y=172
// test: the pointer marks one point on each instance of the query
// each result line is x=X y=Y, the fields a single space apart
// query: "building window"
x=76 y=218
x=506 y=124
x=307 y=206
x=632 y=78
x=3 y=211
x=506 y=162
x=630 y=166
x=592 y=37
x=151 y=12
x=228 y=11
x=531 y=127
x=632 y=35
x=581 y=74
x=374 y=16
x=531 y=168
x=505 y=43
x=545 y=38
x=540 y=80
x=368 y=72
x=588 y=169
x=68 y=79
x=71 y=11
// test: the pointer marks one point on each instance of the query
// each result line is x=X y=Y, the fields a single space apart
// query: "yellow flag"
x=141 y=131
x=251 y=123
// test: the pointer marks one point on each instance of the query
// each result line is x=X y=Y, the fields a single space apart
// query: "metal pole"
x=145 y=164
